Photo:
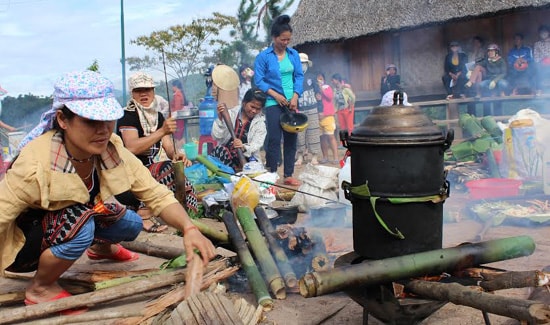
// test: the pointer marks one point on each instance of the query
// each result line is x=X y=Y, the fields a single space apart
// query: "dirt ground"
x=338 y=308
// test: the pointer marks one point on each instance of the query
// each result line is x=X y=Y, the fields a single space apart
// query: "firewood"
x=530 y=311
x=205 y=308
x=177 y=295
x=508 y=280
x=86 y=317
x=193 y=278
x=124 y=290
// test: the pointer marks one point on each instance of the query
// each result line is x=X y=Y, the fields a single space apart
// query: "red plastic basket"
x=493 y=188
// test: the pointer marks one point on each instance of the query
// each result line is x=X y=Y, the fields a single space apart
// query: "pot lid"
x=397 y=123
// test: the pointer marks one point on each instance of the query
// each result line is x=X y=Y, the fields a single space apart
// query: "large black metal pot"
x=398 y=152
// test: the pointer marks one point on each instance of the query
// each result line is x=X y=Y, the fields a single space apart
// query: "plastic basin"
x=493 y=188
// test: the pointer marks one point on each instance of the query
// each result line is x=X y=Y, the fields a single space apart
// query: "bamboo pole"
x=255 y=279
x=261 y=252
x=533 y=312
x=96 y=297
x=407 y=266
x=276 y=249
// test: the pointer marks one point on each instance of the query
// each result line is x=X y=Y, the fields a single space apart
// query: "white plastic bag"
x=317 y=180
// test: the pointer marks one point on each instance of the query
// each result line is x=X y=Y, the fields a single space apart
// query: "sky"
x=42 y=39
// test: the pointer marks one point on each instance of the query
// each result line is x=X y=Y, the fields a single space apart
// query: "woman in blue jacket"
x=278 y=73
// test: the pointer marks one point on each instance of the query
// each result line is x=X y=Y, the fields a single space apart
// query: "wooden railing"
x=452 y=106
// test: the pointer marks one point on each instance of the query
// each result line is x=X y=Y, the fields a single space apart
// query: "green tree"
x=185 y=46
x=268 y=10
x=25 y=110
x=245 y=37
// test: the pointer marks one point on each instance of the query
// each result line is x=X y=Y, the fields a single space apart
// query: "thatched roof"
x=331 y=20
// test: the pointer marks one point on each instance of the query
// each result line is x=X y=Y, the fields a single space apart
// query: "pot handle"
x=398 y=97
x=344 y=137
x=449 y=139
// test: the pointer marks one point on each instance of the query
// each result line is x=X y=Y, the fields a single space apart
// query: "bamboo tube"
x=278 y=252
x=261 y=252
x=210 y=166
x=217 y=235
x=152 y=249
x=179 y=175
x=255 y=279
x=414 y=265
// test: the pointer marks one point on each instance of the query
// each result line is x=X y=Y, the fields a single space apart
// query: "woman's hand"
x=169 y=126
x=194 y=239
x=294 y=103
x=221 y=109
x=238 y=143
x=281 y=100
x=181 y=156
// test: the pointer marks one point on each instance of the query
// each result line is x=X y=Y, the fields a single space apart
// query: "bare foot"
x=41 y=293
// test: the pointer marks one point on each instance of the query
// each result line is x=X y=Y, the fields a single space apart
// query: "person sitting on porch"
x=476 y=55
x=455 y=71
x=495 y=73
x=542 y=57
x=249 y=127
x=520 y=67
x=391 y=80
x=57 y=198
x=144 y=132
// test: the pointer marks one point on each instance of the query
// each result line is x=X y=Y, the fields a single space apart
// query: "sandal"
x=121 y=255
x=62 y=294
x=156 y=226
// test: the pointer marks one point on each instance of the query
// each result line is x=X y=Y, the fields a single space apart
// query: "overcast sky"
x=42 y=39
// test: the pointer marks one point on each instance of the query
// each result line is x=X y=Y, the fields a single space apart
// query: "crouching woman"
x=57 y=198
x=248 y=123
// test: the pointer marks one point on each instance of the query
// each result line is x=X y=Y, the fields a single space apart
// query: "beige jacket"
x=32 y=182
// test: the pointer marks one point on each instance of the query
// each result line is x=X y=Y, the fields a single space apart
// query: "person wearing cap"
x=248 y=125
x=57 y=198
x=455 y=71
x=144 y=131
x=246 y=75
x=390 y=80
x=495 y=72
x=278 y=73
x=225 y=85
x=309 y=141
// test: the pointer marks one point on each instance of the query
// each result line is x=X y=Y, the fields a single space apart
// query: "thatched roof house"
x=358 y=37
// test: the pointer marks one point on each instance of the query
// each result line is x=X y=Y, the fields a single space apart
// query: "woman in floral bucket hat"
x=57 y=197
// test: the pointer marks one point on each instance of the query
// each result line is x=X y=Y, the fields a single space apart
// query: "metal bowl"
x=287 y=214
